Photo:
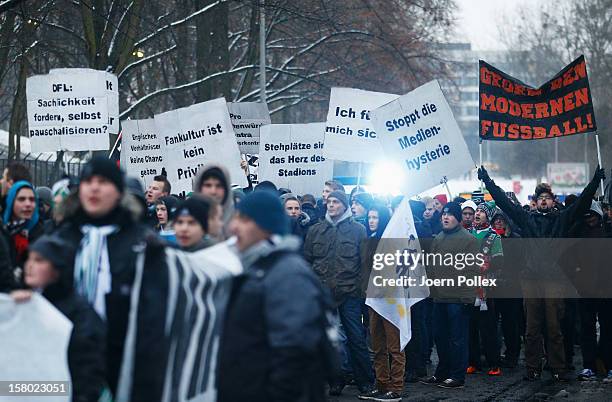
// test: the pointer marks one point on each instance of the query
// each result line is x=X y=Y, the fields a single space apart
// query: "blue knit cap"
x=266 y=210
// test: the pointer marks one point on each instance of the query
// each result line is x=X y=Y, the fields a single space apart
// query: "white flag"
x=393 y=303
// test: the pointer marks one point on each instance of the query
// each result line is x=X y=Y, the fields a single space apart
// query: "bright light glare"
x=386 y=177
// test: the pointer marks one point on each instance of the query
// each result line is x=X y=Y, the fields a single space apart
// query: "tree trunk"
x=212 y=53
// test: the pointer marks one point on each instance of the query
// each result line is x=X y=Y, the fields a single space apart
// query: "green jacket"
x=456 y=243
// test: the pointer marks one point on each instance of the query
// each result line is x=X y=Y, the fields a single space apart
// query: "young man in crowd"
x=105 y=233
x=510 y=305
x=328 y=188
x=22 y=220
x=360 y=205
x=333 y=247
x=468 y=209
x=483 y=315
x=159 y=187
x=299 y=221
x=587 y=263
x=543 y=292
x=452 y=303
x=272 y=333
x=432 y=216
x=198 y=223
x=14 y=172
x=214 y=181
x=48 y=270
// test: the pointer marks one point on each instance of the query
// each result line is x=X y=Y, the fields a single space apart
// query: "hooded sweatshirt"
x=228 y=201
x=21 y=232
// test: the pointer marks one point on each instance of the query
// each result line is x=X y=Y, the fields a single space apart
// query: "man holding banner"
x=542 y=279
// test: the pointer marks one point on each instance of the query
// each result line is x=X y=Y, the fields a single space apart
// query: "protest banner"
x=197 y=135
x=69 y=110
x=34 y=347
x=291 y=156
x=112 y=91
x=247 y=118
x=142 y=154
x=510 y=110
x=178 y=312
x=349 y=134
x=394 y=302
x=419 y=130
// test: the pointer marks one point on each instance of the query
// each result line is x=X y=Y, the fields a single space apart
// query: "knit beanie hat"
x=454 y=209
x=101 y=166
x=266 y=210
x=442 y=198
x=340 y=196
x=55 y=249
x=469 y=204
x=266 y=185
x=45 y=196
x=197 y=207
x=488 y=208
x=365 y=199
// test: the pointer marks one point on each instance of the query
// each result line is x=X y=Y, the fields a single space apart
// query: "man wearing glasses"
x=542 y=279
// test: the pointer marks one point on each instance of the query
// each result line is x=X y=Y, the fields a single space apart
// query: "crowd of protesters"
x=303 y=255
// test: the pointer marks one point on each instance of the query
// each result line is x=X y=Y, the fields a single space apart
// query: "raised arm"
x=514 y=212
x=583 y=202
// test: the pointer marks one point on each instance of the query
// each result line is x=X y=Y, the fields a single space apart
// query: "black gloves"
x=483 y=175
x=600 y=174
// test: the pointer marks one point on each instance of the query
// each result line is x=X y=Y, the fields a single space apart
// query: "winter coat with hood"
x=334 y=250
x=272 y=332
x=123 y=247
x=228 y=201
x=543 y=254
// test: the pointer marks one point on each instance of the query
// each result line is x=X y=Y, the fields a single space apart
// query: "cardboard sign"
x=69 y=110
x=142 y=154
x=197 y=135
x=419 y=130
x=349 y=134
x=291 y=156
x=247 y=118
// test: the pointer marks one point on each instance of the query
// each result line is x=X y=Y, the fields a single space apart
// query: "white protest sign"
x=197 y=135
x=142 y=155
x=34 y=347
x=111 y=84
x=246 y=118
x=349 y=134
x=291 y=156
x=419 y=130
x=68 y=110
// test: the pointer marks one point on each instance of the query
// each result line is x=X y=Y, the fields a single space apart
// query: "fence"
x=44 y=168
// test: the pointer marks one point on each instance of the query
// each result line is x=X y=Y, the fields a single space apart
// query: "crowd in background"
x=304 y=254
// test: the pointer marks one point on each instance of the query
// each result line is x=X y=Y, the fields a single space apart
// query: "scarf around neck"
x=92 y=276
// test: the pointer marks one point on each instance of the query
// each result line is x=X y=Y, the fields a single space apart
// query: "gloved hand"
x=483 y=175
x=600 y=174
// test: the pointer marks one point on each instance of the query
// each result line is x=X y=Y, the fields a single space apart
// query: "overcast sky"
x=478 y=19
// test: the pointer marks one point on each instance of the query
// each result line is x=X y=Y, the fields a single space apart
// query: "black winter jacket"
x=86 y=349
x=122 y=250
x=542 y=255
x=272 y=332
